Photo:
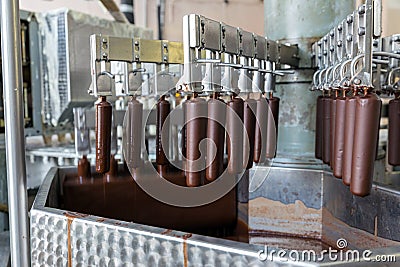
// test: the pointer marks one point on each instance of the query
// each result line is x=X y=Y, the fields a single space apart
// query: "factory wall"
x=86 y=6
x=246 y=13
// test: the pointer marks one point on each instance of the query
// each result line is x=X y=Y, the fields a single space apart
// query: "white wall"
x=247 y=14
x=92 y=7
x=390 y=17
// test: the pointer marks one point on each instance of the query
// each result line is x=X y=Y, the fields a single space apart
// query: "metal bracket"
x=132 y=51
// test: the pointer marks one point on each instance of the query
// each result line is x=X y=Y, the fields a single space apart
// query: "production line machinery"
x=214 y=72
x=208 y=107
x=356 y=66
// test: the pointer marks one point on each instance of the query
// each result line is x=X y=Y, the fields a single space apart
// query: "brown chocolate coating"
x=394 y=132
x=134 y=131
x=183 y=131
x=234 y=127
x=84 y=168
x=249 y=120
x=196 y=130
x=272 y=128
x=366 y=130
x=349 y=121
x=113 y=172
x=319 y=128
x=162 y=130
x=260 y=134
x=339 y=136
x=103 y=135
x=216 y=133
x=326 y=140
x=332 y=132
x=122 y=198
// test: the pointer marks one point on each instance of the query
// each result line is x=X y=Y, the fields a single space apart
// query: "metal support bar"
x=14 y=133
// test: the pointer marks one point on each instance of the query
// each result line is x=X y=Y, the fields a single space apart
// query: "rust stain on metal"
x=69 y=241
x=356 y=238
x=185 y=252
x=294 y=219
x=166 y=232
x=70 y=218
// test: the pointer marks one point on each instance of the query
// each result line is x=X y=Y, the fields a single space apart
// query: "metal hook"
x=108 y=74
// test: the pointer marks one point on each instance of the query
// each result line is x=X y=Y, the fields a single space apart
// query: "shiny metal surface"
x=14 y=129
x=61 y=237
x=99 y=241
x=323 y=197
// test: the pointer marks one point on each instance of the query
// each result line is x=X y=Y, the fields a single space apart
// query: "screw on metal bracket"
x=349 y=38
x=349 y=19
x=223 y=32
x=361 y=10
x=361 y=31
x=203 y=42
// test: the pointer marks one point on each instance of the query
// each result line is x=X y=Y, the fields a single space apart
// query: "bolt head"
x=361 y=10
x=361 y=31
x=349 y=19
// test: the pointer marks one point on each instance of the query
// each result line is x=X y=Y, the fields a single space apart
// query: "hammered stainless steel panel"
x=64 y=238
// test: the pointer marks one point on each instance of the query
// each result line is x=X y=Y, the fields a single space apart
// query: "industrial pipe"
x=14 y=133
x=300 y=22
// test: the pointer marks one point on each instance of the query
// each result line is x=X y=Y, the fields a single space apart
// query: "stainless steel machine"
x=232 y=149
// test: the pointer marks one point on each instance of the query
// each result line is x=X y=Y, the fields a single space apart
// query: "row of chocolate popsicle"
x=347 y=131
x=212 y=119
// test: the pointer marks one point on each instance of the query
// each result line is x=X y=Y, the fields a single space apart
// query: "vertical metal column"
x=14 y=132
x=300 y=22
